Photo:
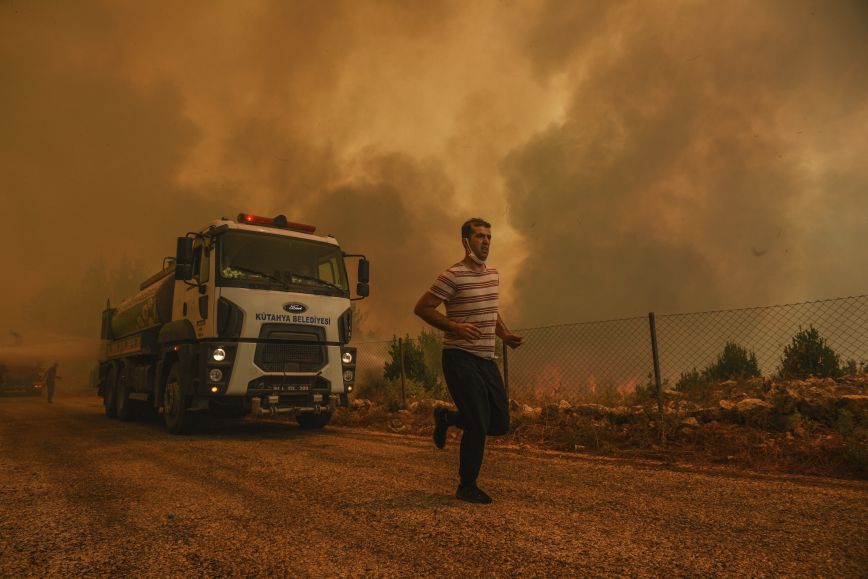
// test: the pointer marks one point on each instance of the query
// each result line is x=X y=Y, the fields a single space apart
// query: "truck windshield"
x=278 y=262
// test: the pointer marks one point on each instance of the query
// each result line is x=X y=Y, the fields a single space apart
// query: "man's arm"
x=426 y=308
x=510 y=339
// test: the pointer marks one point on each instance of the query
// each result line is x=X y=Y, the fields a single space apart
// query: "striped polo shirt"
x=470 y=297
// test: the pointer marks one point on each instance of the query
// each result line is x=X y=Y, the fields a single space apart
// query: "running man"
x=470 y=291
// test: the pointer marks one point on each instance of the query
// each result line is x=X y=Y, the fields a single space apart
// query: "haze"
x=632 y=156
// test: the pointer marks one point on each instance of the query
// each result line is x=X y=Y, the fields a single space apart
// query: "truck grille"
x=294 y=357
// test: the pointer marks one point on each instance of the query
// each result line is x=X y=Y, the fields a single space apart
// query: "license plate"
x=291 y=387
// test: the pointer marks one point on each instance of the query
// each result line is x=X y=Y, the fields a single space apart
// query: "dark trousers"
x=49 y=389
x=478 y=391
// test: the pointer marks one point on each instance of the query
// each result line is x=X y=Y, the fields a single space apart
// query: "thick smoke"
x=631 y=156
x=89 y=159
x=690 y=152
x=124 y=128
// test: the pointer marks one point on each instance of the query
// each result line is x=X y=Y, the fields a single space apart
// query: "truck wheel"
x=310 y=421
x=178 y=419
x=110 y=393
x=126 y=409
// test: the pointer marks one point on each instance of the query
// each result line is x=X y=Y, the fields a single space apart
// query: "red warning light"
x=279 y=221
x=255 y=219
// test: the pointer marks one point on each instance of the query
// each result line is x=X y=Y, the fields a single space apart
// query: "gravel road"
x=81 y=494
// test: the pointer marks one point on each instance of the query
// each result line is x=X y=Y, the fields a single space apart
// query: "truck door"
x=198 y=298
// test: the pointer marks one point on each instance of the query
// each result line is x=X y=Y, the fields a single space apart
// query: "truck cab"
x=253 y=315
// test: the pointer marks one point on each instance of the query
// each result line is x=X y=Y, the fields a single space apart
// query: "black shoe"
x=472 y=494
x=441 y=425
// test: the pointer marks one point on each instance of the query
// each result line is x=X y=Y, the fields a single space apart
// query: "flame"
x=629 y=386
x=547 y=382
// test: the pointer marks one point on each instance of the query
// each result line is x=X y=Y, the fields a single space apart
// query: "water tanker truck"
x=251 y=316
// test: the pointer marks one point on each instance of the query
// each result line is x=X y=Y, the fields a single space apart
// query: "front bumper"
x=293 y=392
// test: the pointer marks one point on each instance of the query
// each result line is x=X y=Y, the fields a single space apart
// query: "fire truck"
x=251 y=316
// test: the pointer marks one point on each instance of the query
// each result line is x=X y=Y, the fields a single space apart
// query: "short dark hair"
x=467 y=228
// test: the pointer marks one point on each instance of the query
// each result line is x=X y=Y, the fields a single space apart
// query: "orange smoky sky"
x=632 y=156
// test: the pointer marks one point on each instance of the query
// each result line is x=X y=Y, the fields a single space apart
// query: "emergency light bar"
x=279 y=221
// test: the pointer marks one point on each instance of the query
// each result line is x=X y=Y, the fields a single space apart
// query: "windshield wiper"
x=317 y=280
x=260 y=274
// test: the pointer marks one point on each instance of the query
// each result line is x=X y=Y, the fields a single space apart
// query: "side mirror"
x=362 y=289
x=364 y=272
x=184 y=259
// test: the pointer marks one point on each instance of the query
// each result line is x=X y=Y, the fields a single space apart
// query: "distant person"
x=470 y=291
x=49 y=378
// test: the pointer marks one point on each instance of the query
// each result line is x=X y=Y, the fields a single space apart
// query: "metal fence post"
x=506 y=369
x=401 y=356
x=659 y=389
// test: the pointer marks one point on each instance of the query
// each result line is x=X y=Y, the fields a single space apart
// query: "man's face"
x=480 y=241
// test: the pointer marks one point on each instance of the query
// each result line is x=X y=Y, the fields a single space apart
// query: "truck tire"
x=176 y=414
x=126 y=409
x=311 y=421
x=110 y=393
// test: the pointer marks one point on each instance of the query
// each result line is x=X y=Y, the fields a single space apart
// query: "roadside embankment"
x=813 y=426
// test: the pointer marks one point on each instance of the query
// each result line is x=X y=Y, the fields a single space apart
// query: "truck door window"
x=204 y=270
x=200 y=263
x=197 y=259
x=327 y=272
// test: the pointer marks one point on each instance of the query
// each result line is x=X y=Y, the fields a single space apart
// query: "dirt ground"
x=81 y=494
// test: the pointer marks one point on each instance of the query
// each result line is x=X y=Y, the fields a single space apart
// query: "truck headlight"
x=219 y=354
x=215 y=375
x=347 y=358
x=349 y=375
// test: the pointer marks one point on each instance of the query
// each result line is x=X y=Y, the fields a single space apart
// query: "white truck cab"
x=252 y=316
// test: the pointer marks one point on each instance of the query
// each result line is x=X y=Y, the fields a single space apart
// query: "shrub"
x=414 y=360
x=809 y=355
x=432 y=353
x=852 y=368
x=373 y=386
x=421 y=362
x=692 y=381
x=734 y=363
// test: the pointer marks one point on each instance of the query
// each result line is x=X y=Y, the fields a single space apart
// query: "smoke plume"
x=631 y=156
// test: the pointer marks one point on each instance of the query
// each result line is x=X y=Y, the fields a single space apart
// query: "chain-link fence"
x=606 y=361
x=371 y=360
x=588 y=361
x=697 y=340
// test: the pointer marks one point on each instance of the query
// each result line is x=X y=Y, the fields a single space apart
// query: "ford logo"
x=294 y=308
